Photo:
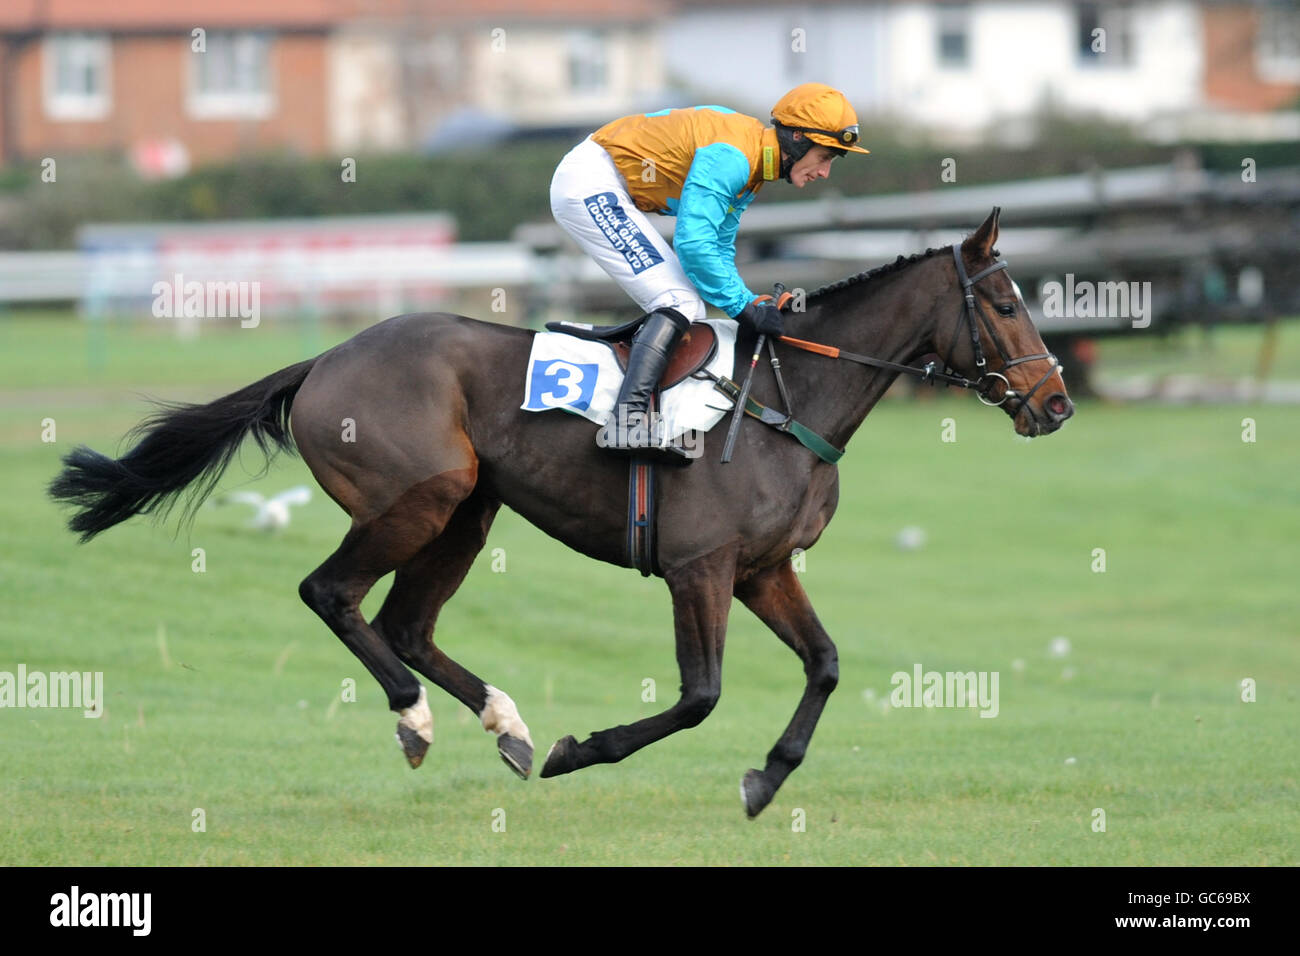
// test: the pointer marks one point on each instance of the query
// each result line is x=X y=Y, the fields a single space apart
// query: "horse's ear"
x=980 y=243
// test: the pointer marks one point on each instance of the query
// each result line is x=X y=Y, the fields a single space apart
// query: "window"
x=231 y=77
x=954 y=36
x=1105 y=34
x=588 y=68
x=77 y=76
x=1277 y=52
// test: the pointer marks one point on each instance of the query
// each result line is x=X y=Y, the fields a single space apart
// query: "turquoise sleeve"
x=707 y=219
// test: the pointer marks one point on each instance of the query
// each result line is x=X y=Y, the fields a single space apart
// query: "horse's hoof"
x=517 y=754
x=415 y=730
x=559 y=759
x=755 y=792
x=413 y=745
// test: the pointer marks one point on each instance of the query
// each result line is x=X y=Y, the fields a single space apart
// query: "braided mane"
x=887 y=269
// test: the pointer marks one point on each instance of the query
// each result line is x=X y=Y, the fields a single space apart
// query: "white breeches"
x=590 y=200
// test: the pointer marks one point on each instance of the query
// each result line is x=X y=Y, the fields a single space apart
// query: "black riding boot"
x=630 y=431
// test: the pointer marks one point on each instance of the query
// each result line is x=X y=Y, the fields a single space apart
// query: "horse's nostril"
x=1059 y=407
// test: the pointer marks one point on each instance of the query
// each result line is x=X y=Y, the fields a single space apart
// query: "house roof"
x=185 y=15
x=460 y=11
x=182 y=15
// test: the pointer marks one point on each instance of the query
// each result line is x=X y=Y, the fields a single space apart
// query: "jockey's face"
x=816 y=164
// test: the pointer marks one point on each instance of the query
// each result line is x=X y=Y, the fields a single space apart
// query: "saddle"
x=693 y=351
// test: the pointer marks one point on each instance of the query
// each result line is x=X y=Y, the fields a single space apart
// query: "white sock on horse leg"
x=500 y=716
x=419 y=718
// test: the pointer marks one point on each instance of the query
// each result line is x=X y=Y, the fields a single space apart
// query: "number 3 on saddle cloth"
x=579 y=369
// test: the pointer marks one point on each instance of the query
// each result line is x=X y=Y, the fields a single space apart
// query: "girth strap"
x=641 y=545
x=642 y=548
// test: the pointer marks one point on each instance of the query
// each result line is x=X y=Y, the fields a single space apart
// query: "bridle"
x=987 y=380
x=983 y=385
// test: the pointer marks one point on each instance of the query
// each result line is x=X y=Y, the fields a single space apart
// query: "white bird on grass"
x=272 y=513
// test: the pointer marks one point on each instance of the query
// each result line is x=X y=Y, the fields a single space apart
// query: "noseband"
x=987 y=380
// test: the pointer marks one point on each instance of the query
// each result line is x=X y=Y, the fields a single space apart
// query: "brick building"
x=216 y=77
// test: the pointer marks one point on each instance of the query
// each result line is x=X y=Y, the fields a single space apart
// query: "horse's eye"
x=1007 y=310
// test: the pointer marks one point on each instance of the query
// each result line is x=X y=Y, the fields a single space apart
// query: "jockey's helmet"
x=822 y=114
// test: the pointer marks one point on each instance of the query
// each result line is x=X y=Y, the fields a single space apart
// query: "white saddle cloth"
x=583 y=377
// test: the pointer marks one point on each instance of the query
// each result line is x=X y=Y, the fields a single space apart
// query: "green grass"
x=52 y=349
x=223 y=689
x=1221 y=352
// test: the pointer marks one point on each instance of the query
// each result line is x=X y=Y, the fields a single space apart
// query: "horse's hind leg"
x=407 y=618
x=779 y=601
x=369 y=551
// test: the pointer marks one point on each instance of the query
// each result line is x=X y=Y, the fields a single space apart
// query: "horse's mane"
x=887 y=269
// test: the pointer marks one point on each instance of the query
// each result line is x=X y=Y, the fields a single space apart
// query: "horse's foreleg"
x=701 y=601
x=779 y=601
x=410 y=612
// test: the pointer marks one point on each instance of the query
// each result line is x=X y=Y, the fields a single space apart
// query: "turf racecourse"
x=224 y=693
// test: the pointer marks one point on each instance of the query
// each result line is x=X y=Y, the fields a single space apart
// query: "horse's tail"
x=178 y=445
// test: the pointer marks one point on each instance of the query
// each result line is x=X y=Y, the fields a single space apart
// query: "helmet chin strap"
x=792 y=150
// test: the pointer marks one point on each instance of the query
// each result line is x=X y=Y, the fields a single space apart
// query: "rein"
x=929 y=372
x=926 y=373
x=983 y=385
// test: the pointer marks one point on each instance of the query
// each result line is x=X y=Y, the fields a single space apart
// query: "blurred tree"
x=492 y=191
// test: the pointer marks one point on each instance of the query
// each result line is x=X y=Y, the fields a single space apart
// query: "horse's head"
x=994 y=340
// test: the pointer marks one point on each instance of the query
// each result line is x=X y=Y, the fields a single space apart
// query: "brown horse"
x=413 y=427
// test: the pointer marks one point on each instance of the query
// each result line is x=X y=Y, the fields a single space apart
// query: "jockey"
x=703 y=165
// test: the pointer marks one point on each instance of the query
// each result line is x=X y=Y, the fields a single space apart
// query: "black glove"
x=763 y=316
